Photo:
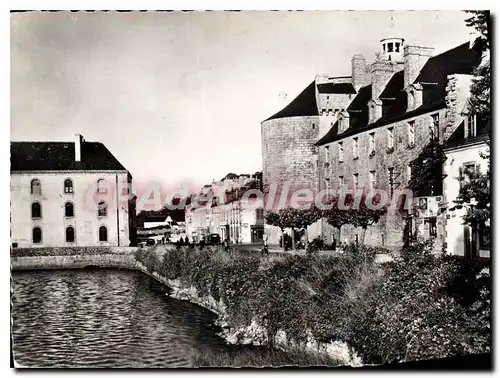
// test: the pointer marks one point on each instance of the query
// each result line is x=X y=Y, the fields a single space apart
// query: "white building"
x=69 y=194
x=463 y=152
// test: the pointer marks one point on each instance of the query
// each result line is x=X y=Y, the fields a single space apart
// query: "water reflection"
x=104 y=318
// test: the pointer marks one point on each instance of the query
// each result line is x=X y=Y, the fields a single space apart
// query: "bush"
x=418 y=306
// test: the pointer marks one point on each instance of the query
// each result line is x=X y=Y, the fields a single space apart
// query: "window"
x=383 y=46
x=411 y=133
x=408 y=173
x=68 y=210
x=389 y=47
x=390 y=137
x=372 y=179
x=103 y=234
x=411 y=100
x=37 y=235
x=355 y=179
x=36 y=210
x=341 y=151
x=471 y=126
x=355 y=147
x=431 y=223
x=484 y=236
x=371 y=142
x=313 y=126
x=397 y=46
x=70 y=235
x=36 y=186
x=466 y=170
x=327 y=185
x=327 y=153
x=68 y=186
x=390 y=172
x=341 y=181
x=435 y=127
x=101 y=187
x=102 y=209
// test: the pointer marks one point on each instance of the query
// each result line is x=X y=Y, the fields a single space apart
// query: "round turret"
x=392 y=49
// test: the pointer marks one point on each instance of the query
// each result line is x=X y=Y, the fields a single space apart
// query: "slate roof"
x=303 y=105
x=457 y=139
x=60 y=156
x=433 y=76
x=346 y=88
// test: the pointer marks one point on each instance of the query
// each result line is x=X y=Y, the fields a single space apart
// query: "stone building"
x=363 y=131
x=227 y=208
x=69 y=194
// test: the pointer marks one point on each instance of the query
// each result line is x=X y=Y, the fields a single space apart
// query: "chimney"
x=78 y=147
x=360 y=77
x=415 y=58
x=381 y=73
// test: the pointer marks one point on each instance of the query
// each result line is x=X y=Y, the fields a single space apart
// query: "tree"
x=481 y=21
x=479 y=101
x=475 y=196
x=427 y=170
x=296 y=219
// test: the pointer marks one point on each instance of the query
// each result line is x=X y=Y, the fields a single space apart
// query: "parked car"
x=214 y=239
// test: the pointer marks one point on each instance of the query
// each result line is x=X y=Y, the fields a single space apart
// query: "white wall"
x=53 y=222
x=454 y=222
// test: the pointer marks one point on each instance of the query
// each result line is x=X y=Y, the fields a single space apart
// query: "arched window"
x=102 y=209
x=411 y=100
x=68 y=186
x=69 y=209
x=70 y=235
x=103 y=234
x=36 y=210
x=37 y=235
x=102 y=187
x=36 y=186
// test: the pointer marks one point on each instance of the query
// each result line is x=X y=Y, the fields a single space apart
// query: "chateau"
x=67 y=194
x=364 y=130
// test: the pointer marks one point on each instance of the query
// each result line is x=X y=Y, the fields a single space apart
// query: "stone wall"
x=389 y=231
x=72 y=258
x=288 y=150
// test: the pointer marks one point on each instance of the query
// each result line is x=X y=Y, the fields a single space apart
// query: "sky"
x=178 y=97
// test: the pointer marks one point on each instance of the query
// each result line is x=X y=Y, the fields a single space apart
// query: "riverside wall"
x=124 y=258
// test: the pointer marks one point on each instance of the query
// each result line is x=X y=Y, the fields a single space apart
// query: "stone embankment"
x=124 y=258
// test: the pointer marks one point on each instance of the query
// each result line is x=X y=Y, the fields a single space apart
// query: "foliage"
x=480 y=98
x=426 y=170
x=418 y=306
x=481 y=21
x=475 y=196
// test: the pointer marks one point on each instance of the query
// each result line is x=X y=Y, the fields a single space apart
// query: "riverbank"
x=346 y=308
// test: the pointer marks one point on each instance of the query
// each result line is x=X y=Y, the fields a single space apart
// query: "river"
x=105 y=318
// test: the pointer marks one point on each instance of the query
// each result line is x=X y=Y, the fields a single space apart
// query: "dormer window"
x=470 y=130
x=411 y=100
x=414 y=96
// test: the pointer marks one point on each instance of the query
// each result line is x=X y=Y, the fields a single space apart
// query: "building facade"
x=362 y=132
x=464 y=152
x=69 y=194
x=227 y=209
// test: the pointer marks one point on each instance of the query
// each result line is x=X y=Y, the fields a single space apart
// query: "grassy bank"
x=417 y=307
x=262 y=357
